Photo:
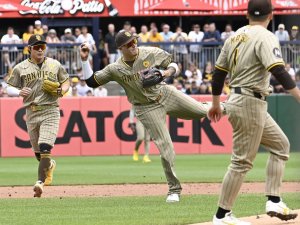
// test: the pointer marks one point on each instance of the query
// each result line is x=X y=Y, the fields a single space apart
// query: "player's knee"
x=38 y=156
x=45 y=148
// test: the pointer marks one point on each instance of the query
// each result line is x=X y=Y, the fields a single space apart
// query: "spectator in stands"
x=154 y=36
x=68 y=37
x=82 y=88
x=126 y=26
x=133 y=30
x=4 y=81
x=2 y=92
x=290 y=70
x=227 y=33
x=207 y=73
x=87 y=37
x=212 y=37
x=195 y=36
x=144 y=35
x=193 y=90
x=281 y=33
x=295 y=36
x=100 y=91
x=52 y=37
x=152 y=25
x=38 y=27
x=193 y=73
x=110 y=45
x=73 y=83
x=11 y=55
x=25 y=38
x=89 y=93
x=77 y=32
x=167 y=35
x=204 y=89
x=205 y=28
x=45 y=30
x=180 y=50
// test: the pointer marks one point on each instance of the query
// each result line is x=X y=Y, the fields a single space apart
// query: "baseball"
x=67 y=4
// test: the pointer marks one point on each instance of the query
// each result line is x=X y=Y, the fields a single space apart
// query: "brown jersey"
x=248 y=55
x=129 y=77
x=29 y=74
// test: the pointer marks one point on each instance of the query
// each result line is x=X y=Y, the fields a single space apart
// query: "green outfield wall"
x=286 y=111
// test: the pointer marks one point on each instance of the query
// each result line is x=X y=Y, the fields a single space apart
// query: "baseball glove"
x=52 y=87
x=151 y=77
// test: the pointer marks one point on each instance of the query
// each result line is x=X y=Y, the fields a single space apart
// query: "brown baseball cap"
x=36 y=39
x=259 y=7
x=124 y=37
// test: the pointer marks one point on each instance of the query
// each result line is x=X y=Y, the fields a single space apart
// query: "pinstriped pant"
x=42 y=126
x=153 y=117
x=252 y=126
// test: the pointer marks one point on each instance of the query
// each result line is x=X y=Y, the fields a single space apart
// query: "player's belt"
x=154 y=101
x=241 y=91
x=35 y=108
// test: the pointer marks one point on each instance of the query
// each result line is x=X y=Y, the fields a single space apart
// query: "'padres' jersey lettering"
x=248 y=56
x=129 y=77
x=29 y=74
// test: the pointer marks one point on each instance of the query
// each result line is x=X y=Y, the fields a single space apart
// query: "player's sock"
x=221 y=213
x=274 y=199
x=43 y=167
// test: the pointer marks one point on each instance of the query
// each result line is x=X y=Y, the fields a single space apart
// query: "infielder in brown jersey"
x=142 y=135
x=151 y=104
x=42 y=112
x=248 y=56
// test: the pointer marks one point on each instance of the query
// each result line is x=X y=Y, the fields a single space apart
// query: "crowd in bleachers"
x=196 y=64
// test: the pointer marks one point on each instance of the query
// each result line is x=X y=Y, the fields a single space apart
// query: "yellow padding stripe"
x=97 y=81
x=45 y=156
x=275 y=64
x=221 y=68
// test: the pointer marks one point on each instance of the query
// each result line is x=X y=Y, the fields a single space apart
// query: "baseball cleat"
x=38 y=189
x=279 y=210
x=229 y=219
x=146 y=159
x=135 y=156
x=172 y=198
x=50 y=171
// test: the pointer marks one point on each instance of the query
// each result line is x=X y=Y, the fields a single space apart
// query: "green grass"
x=125 y=210
x=121 y=169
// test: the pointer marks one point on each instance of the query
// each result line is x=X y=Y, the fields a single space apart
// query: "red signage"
x=99 y=126
x=107 y=8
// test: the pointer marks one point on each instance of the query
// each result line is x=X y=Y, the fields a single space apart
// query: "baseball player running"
x=142 y=135
x=152 y=99
x=249 y=56
x=40 y=81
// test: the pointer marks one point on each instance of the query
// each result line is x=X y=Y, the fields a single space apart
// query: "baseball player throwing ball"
x=140 y=71
x=248 y=56
x=40 y=81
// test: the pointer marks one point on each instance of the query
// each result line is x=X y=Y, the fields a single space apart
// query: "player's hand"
x=215 y=113
x=25 y=91
x=84 y=51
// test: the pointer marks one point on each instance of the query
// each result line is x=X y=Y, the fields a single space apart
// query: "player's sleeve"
x=62 y=75
x=222 y=62
x=102 y=77
x=268 y=51
x=162 y=58
x=15 y=78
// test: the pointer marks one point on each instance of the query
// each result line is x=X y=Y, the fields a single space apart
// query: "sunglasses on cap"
x=38 y=47
x=130 y=44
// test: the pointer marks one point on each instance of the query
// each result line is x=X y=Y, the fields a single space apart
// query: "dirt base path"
x=133 y=190
x=265 y=220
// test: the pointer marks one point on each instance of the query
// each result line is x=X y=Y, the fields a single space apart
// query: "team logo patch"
x=38 y=37
x=128 y=34
x=146 y=64
x=277 y=53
